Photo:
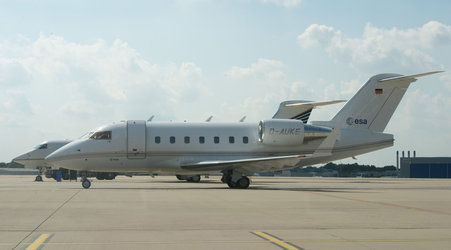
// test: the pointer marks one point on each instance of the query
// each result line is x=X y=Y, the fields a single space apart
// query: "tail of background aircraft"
x=374 y=104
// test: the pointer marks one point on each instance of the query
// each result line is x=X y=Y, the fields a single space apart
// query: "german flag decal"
x=378 y=91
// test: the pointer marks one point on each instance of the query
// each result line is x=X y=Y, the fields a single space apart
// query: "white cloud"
x=284 y=3
x=13 y=72
x=60 y=89
x=379 y=48
x=264 y=69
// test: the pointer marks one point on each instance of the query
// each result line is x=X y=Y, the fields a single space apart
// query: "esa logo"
x=350 y=121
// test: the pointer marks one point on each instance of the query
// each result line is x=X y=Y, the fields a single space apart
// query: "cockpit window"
x=101 y=135
x=42 y=146
x=87 y=135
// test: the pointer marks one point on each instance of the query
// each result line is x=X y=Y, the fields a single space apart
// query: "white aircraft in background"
x=240 y=149
x=35 y=159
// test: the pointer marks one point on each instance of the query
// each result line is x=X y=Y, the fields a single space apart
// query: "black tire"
x=38 y=178
x=243 y=182
x=86 y=183
x=194 y=178
x=232 y=184
x=179 y=177
x=110 y=176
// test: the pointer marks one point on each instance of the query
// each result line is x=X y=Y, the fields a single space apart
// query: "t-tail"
x=374 y=104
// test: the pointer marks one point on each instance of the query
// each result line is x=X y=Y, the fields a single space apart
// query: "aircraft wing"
x=250 y=165
x=273 y=163
x=299 y=110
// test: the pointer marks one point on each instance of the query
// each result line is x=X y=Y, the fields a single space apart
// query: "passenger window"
x=201 y=139
x=186 y=139
x=245 y=139
x=157 y=139
x=216 y=139
x=231 y=139
x=101 y=135
x=172 y=139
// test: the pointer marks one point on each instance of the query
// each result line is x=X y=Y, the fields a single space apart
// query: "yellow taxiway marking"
x=38 y=242
x=279 y=242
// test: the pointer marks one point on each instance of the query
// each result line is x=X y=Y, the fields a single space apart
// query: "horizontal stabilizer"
x=314 y=104
x=411 y=77
x=299 y=110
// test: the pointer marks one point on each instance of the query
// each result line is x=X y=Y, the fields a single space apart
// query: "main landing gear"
x=189 y=178
x=235 y=179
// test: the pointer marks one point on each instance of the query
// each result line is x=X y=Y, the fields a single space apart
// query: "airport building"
x=425 y=167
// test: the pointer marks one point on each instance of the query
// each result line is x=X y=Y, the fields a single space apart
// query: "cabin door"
x=136 y=139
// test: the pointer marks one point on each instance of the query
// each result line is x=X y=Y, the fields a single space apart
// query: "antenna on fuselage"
x=151 y=118
x=209 y=118
x=242 y=119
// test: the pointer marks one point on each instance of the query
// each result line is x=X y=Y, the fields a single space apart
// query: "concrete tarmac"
x=274 y=213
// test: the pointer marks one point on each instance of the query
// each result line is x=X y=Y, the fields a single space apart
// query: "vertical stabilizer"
x=374 y=104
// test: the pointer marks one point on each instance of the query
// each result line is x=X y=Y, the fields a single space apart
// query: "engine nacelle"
x=281 y=132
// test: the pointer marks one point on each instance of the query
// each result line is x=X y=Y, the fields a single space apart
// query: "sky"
x=67 y=67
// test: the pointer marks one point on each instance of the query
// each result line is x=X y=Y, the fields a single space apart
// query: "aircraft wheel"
x=86 y=183
x=195 y=178
x=232 y=184
x=243 y=182
x=38 y=178
x=179 y=177
x=110 y=176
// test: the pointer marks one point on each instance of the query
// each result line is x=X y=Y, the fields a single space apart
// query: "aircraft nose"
x=64 y=153
x=21 y=159
x=56 y=156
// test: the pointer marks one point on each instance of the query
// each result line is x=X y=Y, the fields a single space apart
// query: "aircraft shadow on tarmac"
x=262 y=186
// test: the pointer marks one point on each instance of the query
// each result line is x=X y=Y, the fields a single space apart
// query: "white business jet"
x=35 y=158
x=239 y=150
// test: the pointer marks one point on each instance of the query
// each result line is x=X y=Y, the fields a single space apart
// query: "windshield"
x=101 y=135
x=41 y=146
x=87 y=135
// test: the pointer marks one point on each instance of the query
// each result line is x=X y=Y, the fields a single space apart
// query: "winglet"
x=326 y=147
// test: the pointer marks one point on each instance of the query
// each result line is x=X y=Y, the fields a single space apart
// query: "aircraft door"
x=136 y=139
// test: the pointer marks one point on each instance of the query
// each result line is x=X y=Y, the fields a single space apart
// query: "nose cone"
x=64 y=156
x=58 y=155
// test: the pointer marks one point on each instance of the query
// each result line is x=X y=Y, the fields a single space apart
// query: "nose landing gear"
x=85 y=182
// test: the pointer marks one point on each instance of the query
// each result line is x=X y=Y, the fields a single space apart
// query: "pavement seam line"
x=383 y=203
x=40 y=224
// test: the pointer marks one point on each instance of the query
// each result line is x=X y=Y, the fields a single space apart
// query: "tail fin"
x=374 y=104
